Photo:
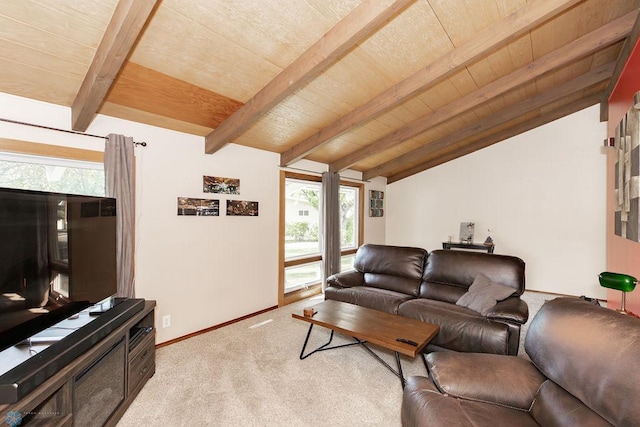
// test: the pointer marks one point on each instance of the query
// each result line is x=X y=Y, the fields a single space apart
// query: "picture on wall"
x=216 y=184
x=466 y=231
x=627 y=177
x=198 y=207
x=376 y=203
x=242 y=208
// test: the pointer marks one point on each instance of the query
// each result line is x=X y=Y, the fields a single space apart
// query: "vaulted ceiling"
x=386 y=87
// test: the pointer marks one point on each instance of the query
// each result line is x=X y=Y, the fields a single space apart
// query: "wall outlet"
x=166 y=321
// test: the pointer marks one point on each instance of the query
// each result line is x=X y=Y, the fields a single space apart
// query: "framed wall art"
x=219 y=185
x=376 y=203
x=242 y=208
x=627 y=177
x=198 y=207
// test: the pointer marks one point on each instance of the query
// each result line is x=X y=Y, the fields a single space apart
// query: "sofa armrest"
x=508 y=381
x=512 y=309
x=346 y=279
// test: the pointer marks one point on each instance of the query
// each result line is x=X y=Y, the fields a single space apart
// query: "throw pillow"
x=484 y=294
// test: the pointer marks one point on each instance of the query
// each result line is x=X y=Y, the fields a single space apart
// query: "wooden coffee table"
x=397 y=333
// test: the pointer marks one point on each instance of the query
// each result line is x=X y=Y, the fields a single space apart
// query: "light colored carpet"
x=241 y=375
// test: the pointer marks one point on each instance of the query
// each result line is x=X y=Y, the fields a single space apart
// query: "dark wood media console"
x=98 y=386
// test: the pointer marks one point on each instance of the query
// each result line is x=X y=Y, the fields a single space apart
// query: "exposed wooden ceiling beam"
x=483 y=43
x=625 y=52
x=603 y=36
x=126 y=25
x=500 y=136
x=509 y=113
x=361 y=22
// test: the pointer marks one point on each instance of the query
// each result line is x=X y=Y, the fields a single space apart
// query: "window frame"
x=49 y=150
x=283 y=264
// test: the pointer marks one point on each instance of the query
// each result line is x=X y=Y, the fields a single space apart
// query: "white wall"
x=541 y=193
x=202 y=271
x=375 y=228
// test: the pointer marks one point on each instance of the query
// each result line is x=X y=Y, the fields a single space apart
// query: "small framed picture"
x=242 y=208
x=189 y=206
x=376 y=203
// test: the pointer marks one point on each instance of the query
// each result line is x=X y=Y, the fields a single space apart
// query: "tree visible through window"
x=49 y=174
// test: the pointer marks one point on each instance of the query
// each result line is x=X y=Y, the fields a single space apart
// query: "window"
x=301 y=272
x=51 y=174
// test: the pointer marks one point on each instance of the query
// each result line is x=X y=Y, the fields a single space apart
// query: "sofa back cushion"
x=592 y=353
x=448 y=274
x=393 y=268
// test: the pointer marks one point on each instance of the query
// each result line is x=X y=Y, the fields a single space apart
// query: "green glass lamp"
x=620 y=282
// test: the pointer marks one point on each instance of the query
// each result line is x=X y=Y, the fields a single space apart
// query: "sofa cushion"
x=514 y=381
x=449 y=274
x=394 y=268
x=591 y=352
x=483 y=295
x=461 y=329
x=555 y=407
x=364 y=296
x=424 y=405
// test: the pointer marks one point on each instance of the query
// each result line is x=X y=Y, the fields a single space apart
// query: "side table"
x=475 y=246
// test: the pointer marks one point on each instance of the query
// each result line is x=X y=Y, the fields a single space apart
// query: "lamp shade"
x=620 y=282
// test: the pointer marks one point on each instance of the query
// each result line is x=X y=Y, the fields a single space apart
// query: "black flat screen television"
x=57 y=257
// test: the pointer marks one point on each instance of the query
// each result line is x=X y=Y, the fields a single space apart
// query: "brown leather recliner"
x=583 y=372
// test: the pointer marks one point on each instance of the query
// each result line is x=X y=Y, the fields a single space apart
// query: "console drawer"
x=142 y=362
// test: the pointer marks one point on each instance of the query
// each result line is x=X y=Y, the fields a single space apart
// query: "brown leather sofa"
x=583 y=372
x=411 y=282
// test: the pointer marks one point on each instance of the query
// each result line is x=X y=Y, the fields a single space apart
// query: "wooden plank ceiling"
x=386 y=87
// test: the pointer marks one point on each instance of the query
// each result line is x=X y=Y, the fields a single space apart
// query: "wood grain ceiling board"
x=127 y=113
x=335 y=46
x=22 y=80
x=233 y=48
x=36 y=59
x=475 y=15
x=347 y=84
x=81 y=22
x=44 y=42
x=268 y=130
x=148 y=90
x=615 y=30
x=378 y=104
x=410 y=41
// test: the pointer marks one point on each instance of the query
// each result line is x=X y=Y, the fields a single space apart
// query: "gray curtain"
x=120 y=184
x=330 y=225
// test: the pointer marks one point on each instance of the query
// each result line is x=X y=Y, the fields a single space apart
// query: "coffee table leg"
x=400 y=374
x=306 y=340
x=397 y=373
x=324 y=347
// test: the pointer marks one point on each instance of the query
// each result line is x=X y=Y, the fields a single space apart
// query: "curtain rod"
x=143 y=144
